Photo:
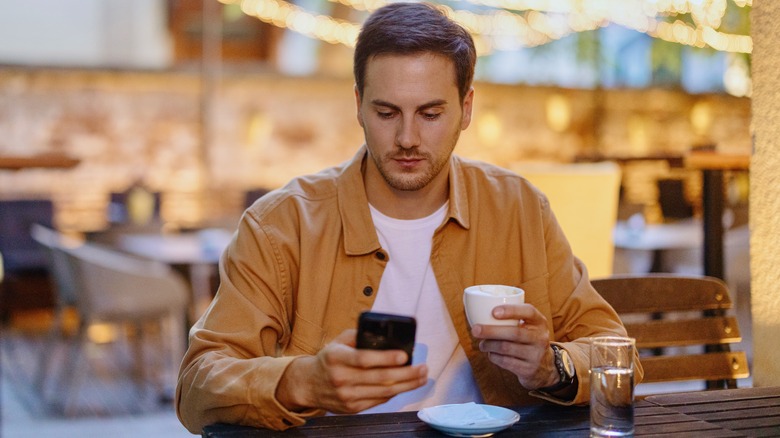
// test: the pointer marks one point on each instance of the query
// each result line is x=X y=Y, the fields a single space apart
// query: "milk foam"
x=495 y=291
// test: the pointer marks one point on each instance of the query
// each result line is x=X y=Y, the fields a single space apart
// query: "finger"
x=366 y=358
x=520 y=366
x=371 y=387
x=385 y=384
x=389 y=376
x=341 y=350
x=520 y=312
x=353 y=399
x=507 y=333
x=528 y=352
x=347 y=337
x=507 y=348
x=357 y=405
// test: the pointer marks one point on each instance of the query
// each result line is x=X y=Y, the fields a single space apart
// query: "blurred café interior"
x=147 y=126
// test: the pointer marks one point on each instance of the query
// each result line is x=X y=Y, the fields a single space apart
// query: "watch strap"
x=565 y=378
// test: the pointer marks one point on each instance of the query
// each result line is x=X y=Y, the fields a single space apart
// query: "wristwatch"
x=565 y=367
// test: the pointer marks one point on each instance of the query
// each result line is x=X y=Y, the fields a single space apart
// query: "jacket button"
x=368 y=290
x=380 y=255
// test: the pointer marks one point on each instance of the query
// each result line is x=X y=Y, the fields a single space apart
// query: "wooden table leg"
x=712 y=203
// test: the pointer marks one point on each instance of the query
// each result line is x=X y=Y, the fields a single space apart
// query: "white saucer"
x=468 y=419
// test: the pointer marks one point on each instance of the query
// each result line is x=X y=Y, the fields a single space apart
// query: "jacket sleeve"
x=578 y=311
x=232 y=367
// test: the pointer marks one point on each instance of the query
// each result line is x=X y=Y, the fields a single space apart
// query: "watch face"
x=568 y=365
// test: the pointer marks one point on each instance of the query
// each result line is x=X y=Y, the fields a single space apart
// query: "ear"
x=468 y=103
x=357 y=105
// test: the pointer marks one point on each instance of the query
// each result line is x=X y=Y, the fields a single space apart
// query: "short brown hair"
x=409 y=28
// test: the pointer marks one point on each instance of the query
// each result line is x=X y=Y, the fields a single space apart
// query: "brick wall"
x=146 y=126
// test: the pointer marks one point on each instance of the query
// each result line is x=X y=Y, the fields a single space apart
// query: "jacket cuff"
x=552 y=398
x=264 y=400
x=582 y=370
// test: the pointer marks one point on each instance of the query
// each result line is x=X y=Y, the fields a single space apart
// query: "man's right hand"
x=344 y=380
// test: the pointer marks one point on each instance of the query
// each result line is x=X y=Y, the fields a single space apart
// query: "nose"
x=408 y=134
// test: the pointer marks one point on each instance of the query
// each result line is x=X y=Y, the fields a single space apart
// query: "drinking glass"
x=612 y=386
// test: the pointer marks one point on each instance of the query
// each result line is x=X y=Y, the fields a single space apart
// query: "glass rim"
x=612 y=340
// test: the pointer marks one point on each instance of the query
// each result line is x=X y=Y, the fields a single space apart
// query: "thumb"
x=348 y=337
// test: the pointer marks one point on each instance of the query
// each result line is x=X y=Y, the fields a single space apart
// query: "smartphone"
x=382 y=331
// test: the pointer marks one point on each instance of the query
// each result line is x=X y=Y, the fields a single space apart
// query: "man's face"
x=411 y=115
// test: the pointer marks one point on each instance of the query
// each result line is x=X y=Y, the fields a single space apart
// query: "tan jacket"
x=306 y=261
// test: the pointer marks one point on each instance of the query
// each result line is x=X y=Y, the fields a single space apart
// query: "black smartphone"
x=382 y=331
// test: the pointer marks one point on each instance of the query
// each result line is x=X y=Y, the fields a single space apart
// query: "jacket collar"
x=459 y=200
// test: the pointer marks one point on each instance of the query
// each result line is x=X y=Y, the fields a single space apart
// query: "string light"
x=283 y=14
x=513 y=24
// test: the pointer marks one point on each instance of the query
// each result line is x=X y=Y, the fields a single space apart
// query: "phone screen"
x=382 y=331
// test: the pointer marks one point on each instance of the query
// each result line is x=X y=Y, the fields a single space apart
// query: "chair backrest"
x=62 y=272
x=16 y=217
x=663 y=311
x=584 y=198
x=109 y=285
x=671 y=198
x=119 y=286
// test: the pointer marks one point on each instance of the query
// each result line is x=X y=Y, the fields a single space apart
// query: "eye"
x=385 y=114
x=431 y=116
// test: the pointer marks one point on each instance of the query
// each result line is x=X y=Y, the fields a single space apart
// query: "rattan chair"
x=681 y=326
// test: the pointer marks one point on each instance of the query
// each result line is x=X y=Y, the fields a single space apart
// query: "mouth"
x=408 y=162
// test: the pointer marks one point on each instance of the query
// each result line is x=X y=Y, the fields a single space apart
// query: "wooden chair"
x=681 y=326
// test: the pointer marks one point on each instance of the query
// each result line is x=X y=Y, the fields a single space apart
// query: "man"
x=402 y=228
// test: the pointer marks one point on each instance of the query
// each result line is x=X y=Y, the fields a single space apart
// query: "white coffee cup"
x=480 y=300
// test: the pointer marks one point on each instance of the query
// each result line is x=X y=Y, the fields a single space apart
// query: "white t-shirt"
x=408 y=287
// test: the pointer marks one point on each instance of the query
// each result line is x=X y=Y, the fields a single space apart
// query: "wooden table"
x=712 y=165
x=753 y=412
x=723 y=413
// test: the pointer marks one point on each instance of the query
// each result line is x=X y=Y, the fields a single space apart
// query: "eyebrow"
x=431 y=104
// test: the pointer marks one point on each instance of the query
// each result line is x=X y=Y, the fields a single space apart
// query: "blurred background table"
x=196 y=254
x=17 y=162
x=658 y=238
x=712 y=164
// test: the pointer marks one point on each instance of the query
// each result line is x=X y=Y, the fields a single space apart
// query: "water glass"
x=612 y=386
